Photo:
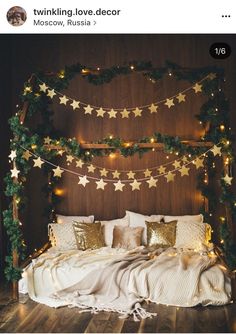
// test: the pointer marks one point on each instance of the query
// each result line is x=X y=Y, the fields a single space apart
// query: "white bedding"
x=174 y=277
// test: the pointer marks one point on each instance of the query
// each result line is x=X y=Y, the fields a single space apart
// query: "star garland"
x=123 y=112
x=135 y=183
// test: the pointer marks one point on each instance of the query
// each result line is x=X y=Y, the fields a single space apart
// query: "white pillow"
x=62 y=236
x=69 y=219
x=137 y=219
x=108 y=227
x=186 y=218
x=192 y=236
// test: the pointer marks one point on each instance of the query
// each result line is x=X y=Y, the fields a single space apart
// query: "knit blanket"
x=125 y=283
x=168 y=276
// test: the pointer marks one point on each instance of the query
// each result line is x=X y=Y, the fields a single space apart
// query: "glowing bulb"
x=112 y=155
x=167 y=157
x=59 y=191
x=98 y=68
x=152 y=140
x=111 y=137
x=222 y=127
x=33 y=146
x=61 y=74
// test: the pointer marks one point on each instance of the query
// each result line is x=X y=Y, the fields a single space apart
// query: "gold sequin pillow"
x=88 y=236
x=161 y=234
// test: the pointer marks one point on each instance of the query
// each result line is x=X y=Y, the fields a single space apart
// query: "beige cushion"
x=192 y=236
x=108 y=226
x=186 y=218
x=69 y=219
x=138 y=220
x=127 y=237
x=62 y=236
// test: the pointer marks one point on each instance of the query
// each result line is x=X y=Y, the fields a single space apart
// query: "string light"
x=132 y=67
x=152 y=140
x=61 y=74
x=59 y=191
x=222 y=127
x=112 y=155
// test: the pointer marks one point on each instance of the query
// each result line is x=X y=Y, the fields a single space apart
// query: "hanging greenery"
x=213 y=116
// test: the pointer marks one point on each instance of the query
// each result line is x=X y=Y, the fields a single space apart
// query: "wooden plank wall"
x=53 y=52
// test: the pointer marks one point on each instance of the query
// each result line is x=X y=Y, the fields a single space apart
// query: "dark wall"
x=23 y=55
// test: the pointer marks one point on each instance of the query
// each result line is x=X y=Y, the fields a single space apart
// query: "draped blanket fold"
x=121 y=282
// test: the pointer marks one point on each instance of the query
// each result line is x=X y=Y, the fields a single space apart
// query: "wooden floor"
x=27 y=316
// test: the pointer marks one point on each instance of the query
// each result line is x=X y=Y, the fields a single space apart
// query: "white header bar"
x=123 y=16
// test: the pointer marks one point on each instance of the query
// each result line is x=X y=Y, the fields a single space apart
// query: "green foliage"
x=214 y=112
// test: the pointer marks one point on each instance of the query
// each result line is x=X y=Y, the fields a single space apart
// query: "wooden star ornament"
x=227 y=179
x=112 y=113
x=103 y=172
x=198 y=162
x=14 y=172
x=79 y=163
x=38 y=162
x=69 y=158
x=153 y=108
x=26 y=155
x=88 y=110
x=91 y=168
x=137 y=112
x=135 y=185
x=197 y=88
x=169 y=103
x=125 y=113
x=216 y=150
x=177 y=164
x=119 y=186
x=47 y=140
x=43 y=87
x=58 y=171
x=100 y=112
x=181 y=97
x=63 y=100
x=131 y=175
x=83 y=180
x=12 y=156
x=116 y=174
x=147 y=173
x=152 y=182
x=75 y=105
x=51 y=93
x=170 y=177
x=162 y=170
x=184 y=170
x=101 y=184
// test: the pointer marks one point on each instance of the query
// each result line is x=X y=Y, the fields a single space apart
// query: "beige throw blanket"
x=175 y=278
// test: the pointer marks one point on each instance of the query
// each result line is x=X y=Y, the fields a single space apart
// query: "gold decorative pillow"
x=127 y=237
x=161 y=234
x=88 y=236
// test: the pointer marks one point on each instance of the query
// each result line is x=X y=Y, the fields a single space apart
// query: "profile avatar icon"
x=16 y=16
